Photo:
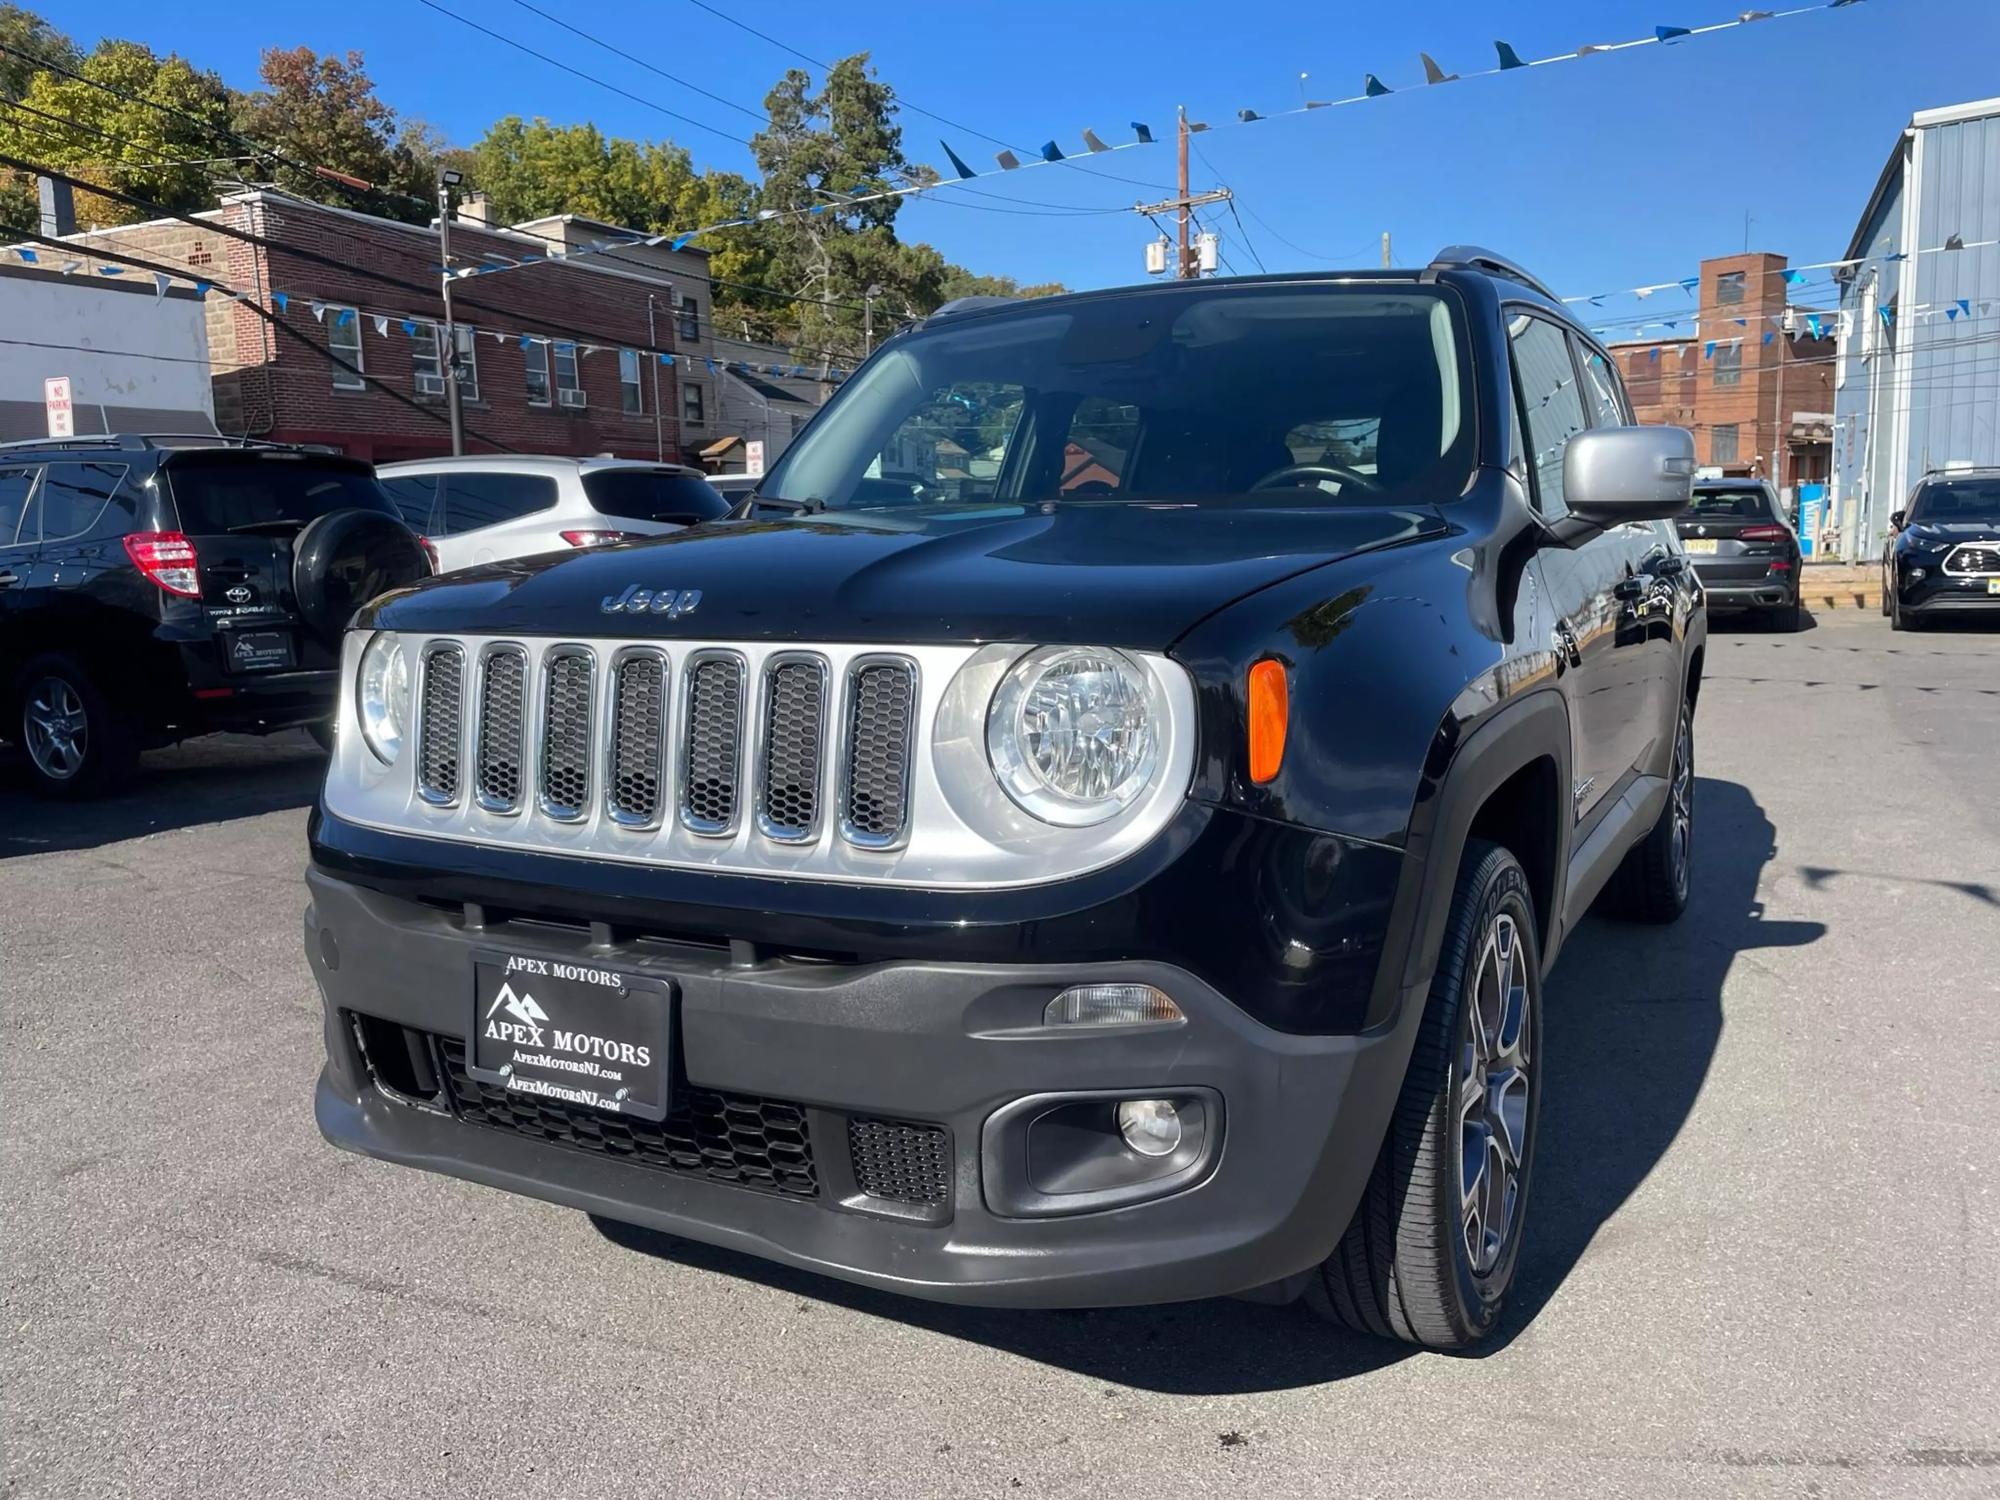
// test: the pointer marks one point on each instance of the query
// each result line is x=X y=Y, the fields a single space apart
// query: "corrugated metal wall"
x=1954 y=385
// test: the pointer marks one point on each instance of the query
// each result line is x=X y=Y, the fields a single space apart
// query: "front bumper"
x=931 y=1045
x=1941 y=595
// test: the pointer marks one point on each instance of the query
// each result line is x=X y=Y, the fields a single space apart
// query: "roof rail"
x=146 y=441
x=1476 y=258
x=972 y=304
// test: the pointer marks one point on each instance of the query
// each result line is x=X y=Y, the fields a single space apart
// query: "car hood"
x=1944 y=533
x=1136 y=576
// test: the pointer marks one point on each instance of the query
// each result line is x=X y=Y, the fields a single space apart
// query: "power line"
x=1246 y=237
x=616 y=51
x=587 y=77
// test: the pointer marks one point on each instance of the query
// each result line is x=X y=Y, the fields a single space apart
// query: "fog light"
x=1110 y=1005
x=1151 y=1127
x=1918 y=575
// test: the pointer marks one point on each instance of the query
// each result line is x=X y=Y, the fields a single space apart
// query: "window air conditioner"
x=429 y=385
x=573 y=397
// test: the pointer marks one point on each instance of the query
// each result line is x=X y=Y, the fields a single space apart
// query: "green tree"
x=324 y=112
x=149 y=131
x=24 y=31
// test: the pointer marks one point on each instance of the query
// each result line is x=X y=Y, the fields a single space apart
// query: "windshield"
x=1742 y=502
x=278 y=492
x=1326 y=395
x=652 y=495
x=1957 y=500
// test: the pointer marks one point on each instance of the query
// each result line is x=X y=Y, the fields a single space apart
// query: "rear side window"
x=415 y=495
x=1748 y=503
x=474 y=500
x=15 y=486
x=653 y=495
x=217 y=494
x=1601 y=388
x=1551 y=406
x=80 y=500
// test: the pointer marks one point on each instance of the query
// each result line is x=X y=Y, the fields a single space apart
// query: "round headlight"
x=382 y=695
x=1073 y=733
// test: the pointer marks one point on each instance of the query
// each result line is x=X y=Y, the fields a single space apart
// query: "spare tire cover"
x=347 y=557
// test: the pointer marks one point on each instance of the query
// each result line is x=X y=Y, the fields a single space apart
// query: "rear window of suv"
x=1746 y=503
x=217 y=494
x=653 y=495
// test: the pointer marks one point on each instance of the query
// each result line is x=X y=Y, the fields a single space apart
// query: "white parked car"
x=480 y=510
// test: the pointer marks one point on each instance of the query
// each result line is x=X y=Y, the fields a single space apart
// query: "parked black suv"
x=1742 y=549
x=1943 y=555
x=153 y=588
x=1102 y=846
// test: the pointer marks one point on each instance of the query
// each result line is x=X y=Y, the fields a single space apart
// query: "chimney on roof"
x=58 y=207
x=474 y=208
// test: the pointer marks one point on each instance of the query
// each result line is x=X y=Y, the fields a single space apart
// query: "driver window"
x=951 y=448
x=1551 y=407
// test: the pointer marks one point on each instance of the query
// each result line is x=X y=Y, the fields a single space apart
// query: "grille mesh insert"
x=438 y=765
x=714 y=738
x=794 y=741
x=503 y=698
x=1973 y=560
x=899 y=1160
x=878 y=786
x=734 y=1138
x=566 y=736
x=638 y=736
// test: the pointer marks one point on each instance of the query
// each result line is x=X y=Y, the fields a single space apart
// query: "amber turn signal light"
x=1270 y=710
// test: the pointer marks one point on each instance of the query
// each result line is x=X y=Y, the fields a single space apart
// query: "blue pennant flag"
x=1899 y=255
x=667 y=360
x=1049 y=152
x=1812 y=324
x=1143 y=132
x=1374 y=87
x=1708 y=350
x=1668 y=33
x=1742 y=322
x=1795 y=277
x=345 y=316
x=817 y=208
x=711 y=367
x=1596 y=301
x=1768 y=335
x=1689 y=283
x=1672 y=324
x=1965 y=306
x=798 y=371
x=1248 y=116
x=279 y=299
x=27 y=255
x=1888 y=317
x=680 y=241
x=202 y=289
x=409 y=327
x=1653 y=355
x=525 y=341
x=957 y=163
x=120 y=271
x=1509 y=58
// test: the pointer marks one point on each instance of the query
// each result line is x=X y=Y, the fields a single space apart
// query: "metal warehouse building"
x=1918 y=363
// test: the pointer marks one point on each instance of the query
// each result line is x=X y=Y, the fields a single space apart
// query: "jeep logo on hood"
x=673 y=603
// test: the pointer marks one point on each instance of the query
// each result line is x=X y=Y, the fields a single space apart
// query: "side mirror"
x=1896 y=519
x=1613 y=475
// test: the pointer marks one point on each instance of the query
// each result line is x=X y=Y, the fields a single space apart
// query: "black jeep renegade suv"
x=1101 y=844
x=153 y=588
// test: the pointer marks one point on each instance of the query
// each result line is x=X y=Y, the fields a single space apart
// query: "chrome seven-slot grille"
x=1973 y=559
x=661 y=734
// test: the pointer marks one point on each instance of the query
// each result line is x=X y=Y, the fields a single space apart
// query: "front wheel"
x=1431 y=1252
x=1651 y=885
x=78 y=743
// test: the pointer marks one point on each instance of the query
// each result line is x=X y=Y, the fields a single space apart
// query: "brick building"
x=557 y=356
x=1755 y=396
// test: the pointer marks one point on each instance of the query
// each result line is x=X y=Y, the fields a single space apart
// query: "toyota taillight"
x=1762 y=534
x=167 y=558
x=594 y=538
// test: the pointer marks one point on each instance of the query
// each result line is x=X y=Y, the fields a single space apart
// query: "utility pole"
x=1183 y=205
x=1385 y=249
x=449 y=354
x=868 y=318
x=653 y=353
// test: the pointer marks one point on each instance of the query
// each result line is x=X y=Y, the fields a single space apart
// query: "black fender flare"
x=1461 y=775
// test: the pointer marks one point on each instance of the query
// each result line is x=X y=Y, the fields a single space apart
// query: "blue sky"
x=1599 y=173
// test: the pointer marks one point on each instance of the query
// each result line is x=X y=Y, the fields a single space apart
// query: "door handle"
x=1672 y=565
x=8 y=580
x=1630 y=588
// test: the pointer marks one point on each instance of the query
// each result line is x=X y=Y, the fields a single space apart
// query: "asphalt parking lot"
x=1760 y=1257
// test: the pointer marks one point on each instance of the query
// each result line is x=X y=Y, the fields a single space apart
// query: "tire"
x=1788 y=619
x=1407 y=1267
x=1900 y=621
x=77 y=743
x=1651 y=883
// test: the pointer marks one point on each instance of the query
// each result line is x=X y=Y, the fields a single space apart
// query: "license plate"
x=1701 y=544
x=259 y=650
x=571 y=1033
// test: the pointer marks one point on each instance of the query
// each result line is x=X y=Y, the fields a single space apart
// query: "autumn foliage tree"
x=323 y=112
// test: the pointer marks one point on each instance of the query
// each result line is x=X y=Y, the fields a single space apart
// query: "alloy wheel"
x=1680 y=796
x=56 y=728
x=1493 y=1096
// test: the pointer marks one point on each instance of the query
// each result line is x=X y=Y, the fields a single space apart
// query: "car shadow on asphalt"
x=213 y=780
x=1631 y=1020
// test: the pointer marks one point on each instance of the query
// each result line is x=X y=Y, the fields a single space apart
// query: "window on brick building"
x=631 y=399
x=690 y=320
x=425 y=341
x=566 y=373
x=691 y=405
x=1730 y=287
x=535 y=357
x=468 y=361
x=343 y=341
x=1722 y=442
x=1729 y=364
